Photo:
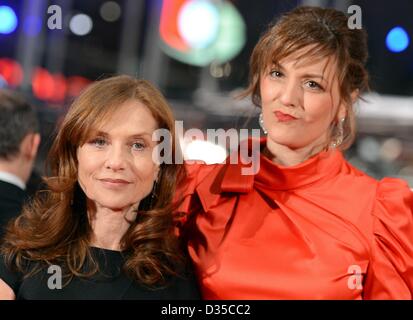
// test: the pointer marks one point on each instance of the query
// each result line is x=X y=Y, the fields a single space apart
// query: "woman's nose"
x=116 y=158
x=290 y=94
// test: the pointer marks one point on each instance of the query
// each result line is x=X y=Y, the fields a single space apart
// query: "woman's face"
x=115 y=167
x=300 y=101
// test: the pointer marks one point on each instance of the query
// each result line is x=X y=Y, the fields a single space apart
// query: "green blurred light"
x=230 y=41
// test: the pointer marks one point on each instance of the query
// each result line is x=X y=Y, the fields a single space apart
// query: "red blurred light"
x=49 y=87
x=75 y=85
x=168 y=28
x=43 y=84
x=60 y=88
x=11 y=71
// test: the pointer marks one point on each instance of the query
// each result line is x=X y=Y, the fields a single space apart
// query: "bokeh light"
x=397 y=40
x=110 y=11
x=198 y=23
x=81 y=24
x=8 y=20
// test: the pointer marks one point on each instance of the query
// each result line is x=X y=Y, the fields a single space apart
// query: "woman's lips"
x=283 y=117
x=114 y=183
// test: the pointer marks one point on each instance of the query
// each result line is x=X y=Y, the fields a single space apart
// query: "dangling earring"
x=153 y=194
x=340 y=134
x=261 y=122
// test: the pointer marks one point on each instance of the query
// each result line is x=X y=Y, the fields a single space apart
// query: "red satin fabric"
x=318 y=230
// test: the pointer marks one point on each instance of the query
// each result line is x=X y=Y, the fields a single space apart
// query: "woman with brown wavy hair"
x=307 y=224
x=104 y=229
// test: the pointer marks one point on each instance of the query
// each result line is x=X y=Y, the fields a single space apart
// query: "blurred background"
x=197 y=52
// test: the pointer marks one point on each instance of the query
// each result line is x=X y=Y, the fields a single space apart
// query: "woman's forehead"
x=134 y=115
x=325 y=65
x=306 y=55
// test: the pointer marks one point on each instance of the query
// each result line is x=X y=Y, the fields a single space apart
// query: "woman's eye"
x=98 y=142
x=275 y=74
x=138 y=146
x=313 y=85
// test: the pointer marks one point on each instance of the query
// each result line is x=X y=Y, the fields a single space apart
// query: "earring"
x=153 y=193
x=261 y=122
x=340 y=134
x=155 y=185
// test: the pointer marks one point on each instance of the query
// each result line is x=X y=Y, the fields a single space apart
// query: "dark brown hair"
x=325 y=30
x=18 y=119
x=55 y=227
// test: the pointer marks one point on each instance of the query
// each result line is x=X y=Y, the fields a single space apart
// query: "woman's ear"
x=342 y=112
x=30 y=145
x=354 y=95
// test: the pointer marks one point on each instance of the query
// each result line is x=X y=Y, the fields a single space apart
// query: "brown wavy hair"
x=54 y=227
x=326 y=30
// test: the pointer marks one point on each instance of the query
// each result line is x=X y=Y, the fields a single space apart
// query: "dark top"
x=11 y=202
x=35 y=183
x=110 y=283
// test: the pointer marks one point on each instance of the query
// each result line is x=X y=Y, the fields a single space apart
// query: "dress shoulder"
x=196 y=172
x=390 y=275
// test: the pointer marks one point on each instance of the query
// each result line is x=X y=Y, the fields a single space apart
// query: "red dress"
x=318 y=230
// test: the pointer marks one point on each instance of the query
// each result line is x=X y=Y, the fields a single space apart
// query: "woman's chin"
x=115 y=205
x=290 y=143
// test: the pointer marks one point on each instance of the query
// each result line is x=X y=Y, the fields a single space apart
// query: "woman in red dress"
x=307 y=225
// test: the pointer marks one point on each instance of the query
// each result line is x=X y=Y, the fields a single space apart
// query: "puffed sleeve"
x=390 y=274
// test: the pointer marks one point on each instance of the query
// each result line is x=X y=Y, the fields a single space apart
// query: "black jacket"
x=11 y=202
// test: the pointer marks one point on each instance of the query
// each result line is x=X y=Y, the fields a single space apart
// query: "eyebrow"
x=307 y=75
x=133 y=136
x=313 y=75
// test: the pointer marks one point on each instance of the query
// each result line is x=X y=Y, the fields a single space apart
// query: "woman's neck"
x=287 y=157
x=109 y=226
